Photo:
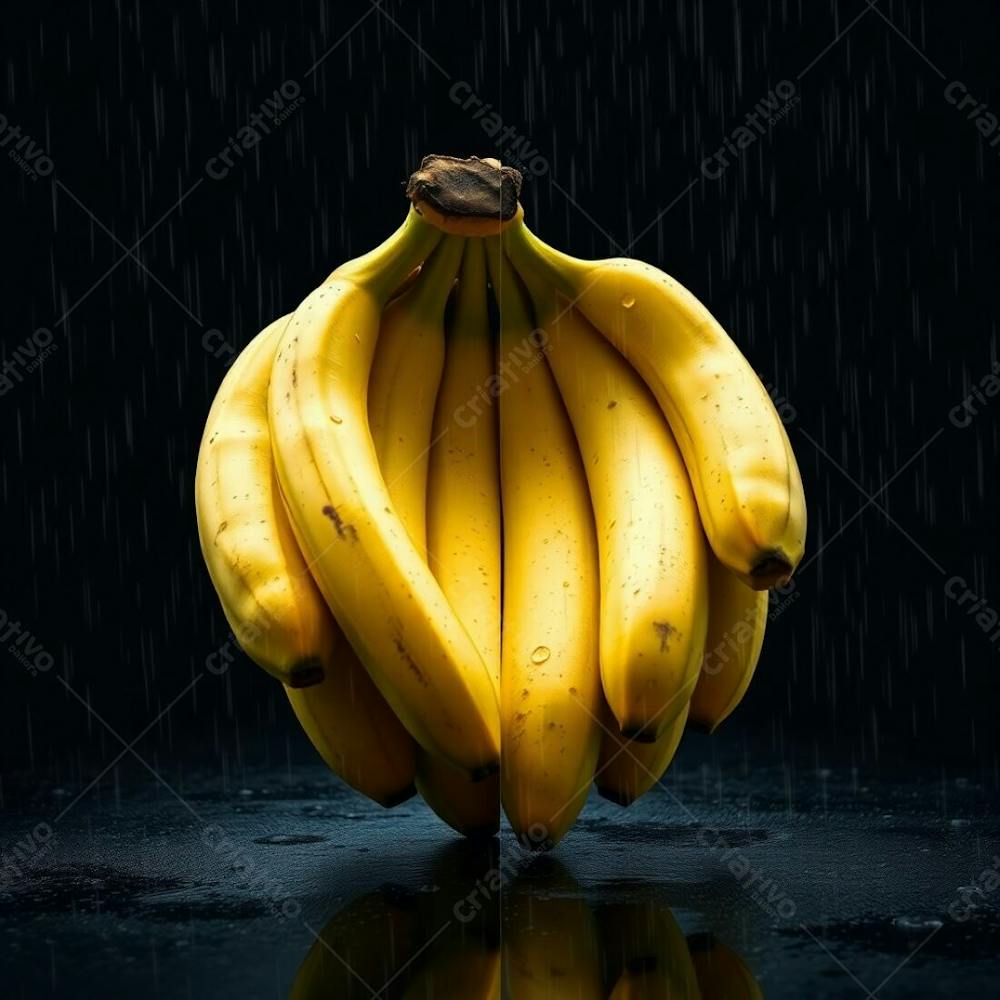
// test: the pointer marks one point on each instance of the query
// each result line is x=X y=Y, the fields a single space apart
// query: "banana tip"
x=772 y=570
x=619 y=798
x=697 y=726
x=306 y=673
x=398 y=798
x=485 y=771
x=639 y=734
x=480 y=834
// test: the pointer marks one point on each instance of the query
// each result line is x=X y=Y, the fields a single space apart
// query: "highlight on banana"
x=546 y=539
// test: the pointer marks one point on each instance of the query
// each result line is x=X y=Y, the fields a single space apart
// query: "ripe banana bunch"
x=546 y=540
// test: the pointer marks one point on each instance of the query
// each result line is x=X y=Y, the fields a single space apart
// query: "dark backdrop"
x=850 y=247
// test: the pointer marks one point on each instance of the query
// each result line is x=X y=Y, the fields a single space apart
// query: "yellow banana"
x=737 y=618
x=269 y=597
x=273 y=610
x=403 y=386
x=654 y=595
x=406 y=374
x=627 y=769
x=354 y=730
x=736 y=450
x=368 y=569
x=549 y=680
x=463 y=491
x=463 y=526
x=720 y=971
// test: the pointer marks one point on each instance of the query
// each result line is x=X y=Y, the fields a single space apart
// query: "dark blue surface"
x=821 y=880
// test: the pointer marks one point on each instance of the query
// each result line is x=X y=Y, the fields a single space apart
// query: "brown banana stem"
x=470 y=197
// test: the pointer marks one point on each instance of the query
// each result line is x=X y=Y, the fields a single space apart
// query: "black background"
x=851 y=251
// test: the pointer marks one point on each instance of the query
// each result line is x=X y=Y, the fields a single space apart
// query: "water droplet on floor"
x=916 y=925
x=540 y=654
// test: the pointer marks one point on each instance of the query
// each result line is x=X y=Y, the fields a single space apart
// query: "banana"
x=369 y=571
x=737 y=618
x=627 y=769
x=406 y=284
x=734 y=445
x=273 y=610
x=269 y=598
x=654 y=594
x=354 y=730
x=463 y=526
x=550 y=693
x=720 y=971
x=403 y=386
x=406 y=374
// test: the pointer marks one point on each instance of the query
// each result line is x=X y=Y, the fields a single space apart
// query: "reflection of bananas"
x=360 y=945
x=397 y=943
x=457 y=969
x=721 y=972
x=270 y=599
x=370 y=572
x=359 y=950
x=645 y=951
x=555 y=945
x=548 y=941
x=549 y=680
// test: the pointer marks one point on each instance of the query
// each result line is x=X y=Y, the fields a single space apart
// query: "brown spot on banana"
x=343 y=529
x=664 y=631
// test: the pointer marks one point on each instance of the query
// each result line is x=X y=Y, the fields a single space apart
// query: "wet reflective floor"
x=827 y=884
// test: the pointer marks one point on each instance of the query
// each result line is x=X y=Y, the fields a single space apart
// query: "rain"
x=822 y=177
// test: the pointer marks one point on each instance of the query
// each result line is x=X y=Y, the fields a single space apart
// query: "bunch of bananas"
x=551 y=548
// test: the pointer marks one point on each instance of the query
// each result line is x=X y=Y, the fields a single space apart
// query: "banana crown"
x=470 y=299
x=384 y=269
x=429 y=295
x=541 y=264
x=515 y=309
